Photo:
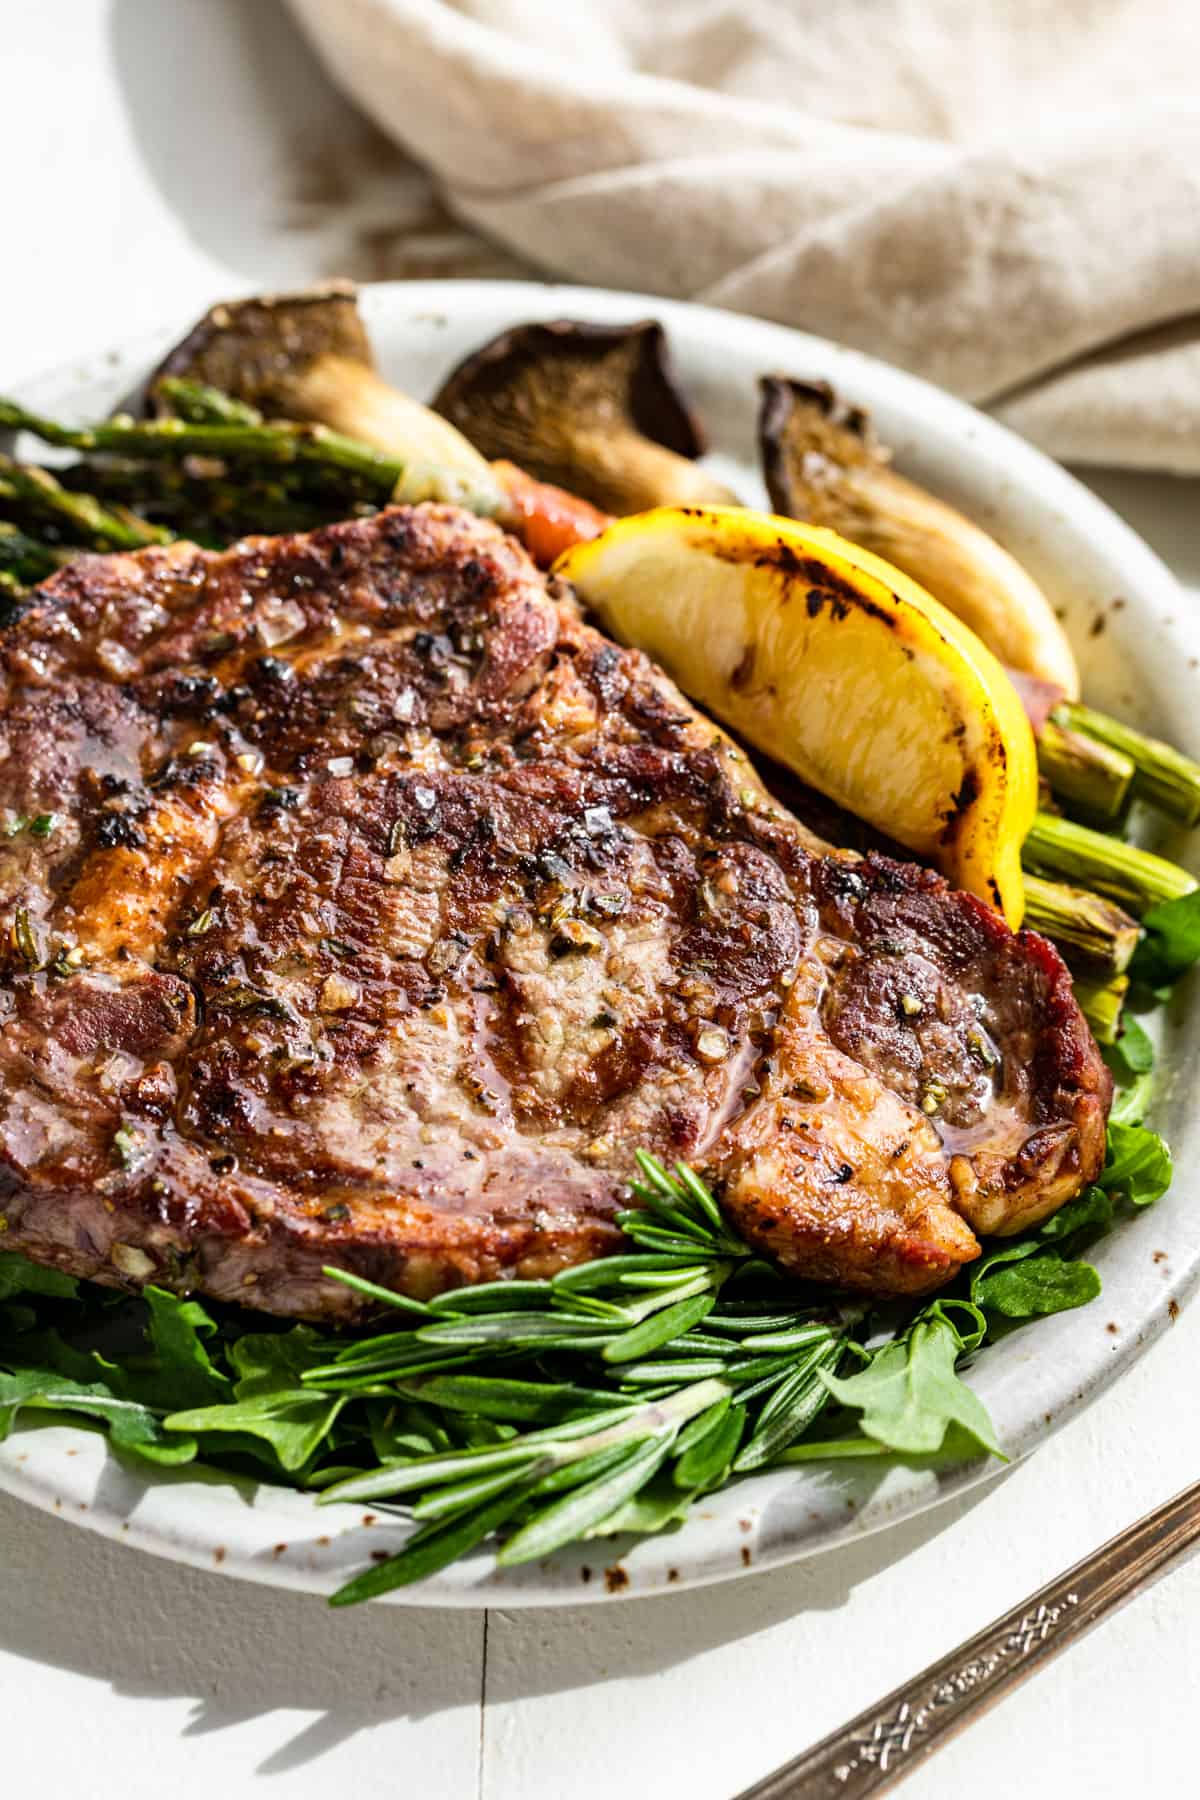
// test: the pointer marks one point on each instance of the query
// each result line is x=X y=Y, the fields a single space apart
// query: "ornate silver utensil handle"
x=889 y=1740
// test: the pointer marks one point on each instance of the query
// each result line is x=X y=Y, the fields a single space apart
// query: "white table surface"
x=160 y=154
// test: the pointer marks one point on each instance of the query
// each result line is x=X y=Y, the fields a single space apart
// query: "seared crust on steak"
x=387 y=908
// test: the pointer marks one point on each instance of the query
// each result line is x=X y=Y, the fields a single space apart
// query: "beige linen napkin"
x=1003 y=195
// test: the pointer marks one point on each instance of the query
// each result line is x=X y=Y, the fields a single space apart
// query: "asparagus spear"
x=214 y=505
x=104 y=527
x=1101 y=1003
x=1161 y=775
x=227 y=484
x=1085 y=772
x=201 y=404
x=1134 y=878
x=1096 y=937
x=280 y=442
x=174 y=437
x=23 y=560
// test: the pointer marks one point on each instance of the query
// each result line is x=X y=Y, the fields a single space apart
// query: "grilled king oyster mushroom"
x=307 y=356
x=593 y=408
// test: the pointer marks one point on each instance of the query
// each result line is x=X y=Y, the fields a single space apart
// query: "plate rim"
x=71 y=1470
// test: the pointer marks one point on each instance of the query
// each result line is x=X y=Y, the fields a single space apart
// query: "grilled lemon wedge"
x=837 y=665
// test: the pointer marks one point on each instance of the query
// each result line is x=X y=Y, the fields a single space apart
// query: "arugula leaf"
x=20 y=1276
x=270 y=1404
x=1007 y=1253
x=268 y=1360
x=1030 y=1277
x=1090 y=1211
x=1133 y=1052
x=1032 y=1286
x=909 y=1393
x=186 y=1376
x=293 y=1424
x=1138 y=1163
x=1131 y=1104
x=976 y=1329
x=131 y=1426
x=1171 y=943
x=1131 y=1060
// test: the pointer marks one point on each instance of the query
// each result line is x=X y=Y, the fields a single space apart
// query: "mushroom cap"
x=806 y=437
x=618 y=370
x=593 y=408
x=258 y=349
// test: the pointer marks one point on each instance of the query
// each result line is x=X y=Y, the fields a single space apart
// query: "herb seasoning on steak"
x=361 y=905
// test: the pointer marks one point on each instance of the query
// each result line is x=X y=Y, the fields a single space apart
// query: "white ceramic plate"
x=1139 y=652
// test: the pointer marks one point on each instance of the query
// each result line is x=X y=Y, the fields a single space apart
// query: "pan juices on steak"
x=364 y=906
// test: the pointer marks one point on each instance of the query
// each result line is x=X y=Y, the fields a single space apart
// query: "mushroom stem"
x=356 y=400
x=306 y=357
x=617 y=469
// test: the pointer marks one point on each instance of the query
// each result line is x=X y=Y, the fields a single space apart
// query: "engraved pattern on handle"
x=883 y=1744
x=898 y=1733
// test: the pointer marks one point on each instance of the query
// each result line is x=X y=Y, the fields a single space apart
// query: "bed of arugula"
x=606 y=1400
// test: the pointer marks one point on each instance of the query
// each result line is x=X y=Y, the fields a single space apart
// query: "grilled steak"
x=362 y=905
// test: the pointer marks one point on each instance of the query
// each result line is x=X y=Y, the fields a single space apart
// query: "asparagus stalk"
x=1101 y=1003
x=201 y=404
x=1085 y=772
x=25 y=561
x=1161 y=775
x=1096 y=937
x=163 y=484
x=106 y=528
x=214 y=506
x=1134 y=878
x=280 y=442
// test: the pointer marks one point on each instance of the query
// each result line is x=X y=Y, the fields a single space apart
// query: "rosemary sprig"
x=624 y=1372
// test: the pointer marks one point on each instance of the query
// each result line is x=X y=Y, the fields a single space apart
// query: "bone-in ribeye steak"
x=386 y=909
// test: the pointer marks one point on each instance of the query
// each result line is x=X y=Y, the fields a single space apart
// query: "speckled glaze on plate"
x=1139 y=652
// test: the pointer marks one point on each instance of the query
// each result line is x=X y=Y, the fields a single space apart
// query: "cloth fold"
x=1003 y=199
